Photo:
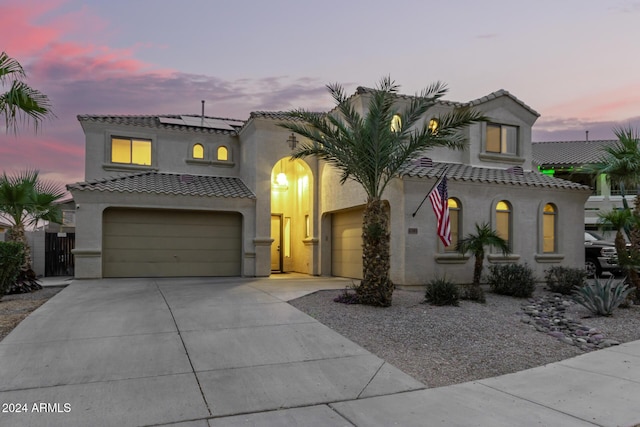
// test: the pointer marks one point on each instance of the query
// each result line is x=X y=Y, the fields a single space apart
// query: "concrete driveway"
x=232 y=352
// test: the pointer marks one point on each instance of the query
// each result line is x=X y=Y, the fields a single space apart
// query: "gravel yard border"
x=448 y=345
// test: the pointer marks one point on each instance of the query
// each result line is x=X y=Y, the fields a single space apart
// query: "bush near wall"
x=11 y=259
x=515 y=280
x=565 y=280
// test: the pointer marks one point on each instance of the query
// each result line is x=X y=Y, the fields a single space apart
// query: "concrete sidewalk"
x=231 y=352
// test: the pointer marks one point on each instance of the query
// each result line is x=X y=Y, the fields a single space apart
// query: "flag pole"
x=429 y=192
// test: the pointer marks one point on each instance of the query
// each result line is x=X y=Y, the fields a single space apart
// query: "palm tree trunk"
x=477 y=269
x=376 y=287
x=17 y=234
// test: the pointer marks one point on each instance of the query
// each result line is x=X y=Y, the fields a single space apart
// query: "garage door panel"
x=166 y=255
x=175 y=243
x=171 y=243
x=346 y=244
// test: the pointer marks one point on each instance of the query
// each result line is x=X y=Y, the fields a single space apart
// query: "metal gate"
x=58 y=259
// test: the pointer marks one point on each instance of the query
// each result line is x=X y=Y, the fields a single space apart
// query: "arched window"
x=433 y=125
x=396 y=123
x=549 y=215
x=223 y=153
x=198 y=151
x=503 y=220
x=455 y=210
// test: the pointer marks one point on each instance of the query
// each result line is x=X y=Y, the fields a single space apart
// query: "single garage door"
x=171 y=243
x=346 y=244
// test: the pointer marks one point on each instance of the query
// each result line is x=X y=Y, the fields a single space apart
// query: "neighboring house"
x=566 y=159
x=203 y=196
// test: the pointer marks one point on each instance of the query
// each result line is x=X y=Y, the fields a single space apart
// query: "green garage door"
x=171 y=243
x=346 y=244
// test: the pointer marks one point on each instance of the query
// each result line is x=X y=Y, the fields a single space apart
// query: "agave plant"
x=601 y=299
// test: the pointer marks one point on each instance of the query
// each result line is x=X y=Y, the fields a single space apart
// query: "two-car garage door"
x=171 y=243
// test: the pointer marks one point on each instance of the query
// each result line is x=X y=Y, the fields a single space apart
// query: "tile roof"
x=168 y=183
x=569 y=153
x=461 y=172
x=153 y=121
x=474 y=102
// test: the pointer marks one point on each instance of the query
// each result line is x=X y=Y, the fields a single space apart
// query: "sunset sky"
x=576 y=62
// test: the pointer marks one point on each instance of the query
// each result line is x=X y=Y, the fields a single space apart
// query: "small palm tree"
x=367 y=149
x=623 y=219
x=21 y=102
x=25 y=200
x=619 y=219
x=476 y=243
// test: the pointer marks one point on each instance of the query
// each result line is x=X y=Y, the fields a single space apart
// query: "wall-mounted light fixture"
x=281 y=183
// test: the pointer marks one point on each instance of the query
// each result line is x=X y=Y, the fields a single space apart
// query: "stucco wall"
x=171 y=151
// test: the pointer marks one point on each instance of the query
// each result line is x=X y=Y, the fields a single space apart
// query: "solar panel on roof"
x=194 y=121
x=206 y=122
x=217 y=124
x=171 y=121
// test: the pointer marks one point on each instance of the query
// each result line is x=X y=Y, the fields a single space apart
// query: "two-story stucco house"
x=203 y=196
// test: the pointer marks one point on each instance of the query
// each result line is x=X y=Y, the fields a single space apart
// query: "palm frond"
x=364 y=147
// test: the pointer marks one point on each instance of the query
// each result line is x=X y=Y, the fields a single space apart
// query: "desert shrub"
x=348 y=296
x=441 y=291
x=564 y=280
x=515 y=280
x=11 y=258
x=602 y=298
x=473 y=293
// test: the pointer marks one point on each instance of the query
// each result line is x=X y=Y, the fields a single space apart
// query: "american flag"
x=439 y=200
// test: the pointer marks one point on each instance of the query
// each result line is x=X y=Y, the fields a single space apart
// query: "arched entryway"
x=291 y=216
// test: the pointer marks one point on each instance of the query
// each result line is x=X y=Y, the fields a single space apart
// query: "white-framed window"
x=396 y=123
x=130 y=151
x=504 y=219
x=549 y=222
x=197 y=152
x=222 y=154
x=455 y=223
x=501 y=139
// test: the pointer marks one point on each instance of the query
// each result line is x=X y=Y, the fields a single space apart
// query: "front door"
x=276 y=235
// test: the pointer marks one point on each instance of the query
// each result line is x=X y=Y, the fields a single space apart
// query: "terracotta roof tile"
x=509 y=176
x=569 y=153
x=167 y=183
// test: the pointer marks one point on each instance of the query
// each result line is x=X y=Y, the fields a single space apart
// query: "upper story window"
x=549 y=215
x=223 y=153
x=131 y=151
x=198 y=151
x=503 y=220
x=433 y=125
x=455 y=210
x=396 y=123
x=502 y=139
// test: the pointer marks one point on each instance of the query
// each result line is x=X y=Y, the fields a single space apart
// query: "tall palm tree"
x=368 y=150
x=485 y=237
x=25 y=200
x=21 y=103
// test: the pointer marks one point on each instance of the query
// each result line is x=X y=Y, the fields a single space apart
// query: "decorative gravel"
x=448 y=345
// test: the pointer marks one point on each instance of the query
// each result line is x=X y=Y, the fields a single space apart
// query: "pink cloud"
x=20 y=35
x=620 y=102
